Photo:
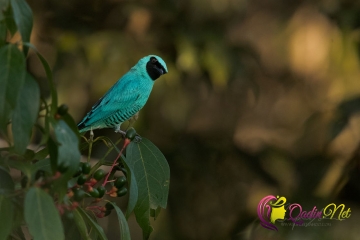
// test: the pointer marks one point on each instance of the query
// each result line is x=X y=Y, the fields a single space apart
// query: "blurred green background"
x=262 y=97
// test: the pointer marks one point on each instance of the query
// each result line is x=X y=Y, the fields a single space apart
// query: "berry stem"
x=126 y=143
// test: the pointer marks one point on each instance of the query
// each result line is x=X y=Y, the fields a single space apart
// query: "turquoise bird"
x=124 y=100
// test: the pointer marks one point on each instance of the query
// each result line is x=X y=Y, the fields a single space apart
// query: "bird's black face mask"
x=154 y=68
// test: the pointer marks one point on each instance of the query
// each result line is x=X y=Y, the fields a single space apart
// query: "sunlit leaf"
x=6 y=213
x=23 y=18
x=152 y=174
x=12 y=77
x=124 y=227
x=42 y=216
x=25 y=114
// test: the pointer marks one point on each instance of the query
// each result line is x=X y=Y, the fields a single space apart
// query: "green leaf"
x=26 y=167
x=41 y=154
x=133 y=188
x=68 y=154
x=53 y=151
x=18 y=213
x=3 y=32
x=44 y=165
x=71 y=123
x=92 y=223
x=23 y=19
x=153 y=177
x=124 y=227
x=47 y=68
x=9 y=20
x=41 y=216
x=25 y=114
x=4 y=4
x=80 y=223
x=46 y=130
x=12 y=76
x=6 y=213
x=6 y=182
x=70 y=229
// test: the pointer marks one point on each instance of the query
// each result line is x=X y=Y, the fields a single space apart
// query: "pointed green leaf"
x=71 y=123
x=152 y=174
x=6 y=182
x=18 y=214
x=6 y=213
x=48 y=72
x=9 y=19
x=23 y=18
x=80 y=223
x=124 y=227
x=24 y=166
x=70 y=229
x=4 y=4
x=12 y=76
x=68 y=154
x=41 y=216
x=41 y=154
x=44 y=165
x=3 y=32
x=25 y=114
x=46 y=130
x=95 y=227
x=133 y=188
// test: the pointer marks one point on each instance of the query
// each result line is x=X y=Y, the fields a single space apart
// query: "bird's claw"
x=137 y=138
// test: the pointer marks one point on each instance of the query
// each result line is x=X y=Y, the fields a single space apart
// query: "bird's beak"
x=161 y=70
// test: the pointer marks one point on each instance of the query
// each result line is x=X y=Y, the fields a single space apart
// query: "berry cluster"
x=93 y=186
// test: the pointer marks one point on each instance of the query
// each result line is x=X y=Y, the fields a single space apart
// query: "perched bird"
x=125 y=99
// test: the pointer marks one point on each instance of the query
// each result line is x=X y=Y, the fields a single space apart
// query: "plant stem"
x=90 y=144
x=101 y=161
x=126 y=143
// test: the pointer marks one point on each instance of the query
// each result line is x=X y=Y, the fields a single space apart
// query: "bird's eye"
x=153 y=60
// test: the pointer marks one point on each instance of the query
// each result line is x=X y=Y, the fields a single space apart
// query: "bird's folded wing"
x=122 y=97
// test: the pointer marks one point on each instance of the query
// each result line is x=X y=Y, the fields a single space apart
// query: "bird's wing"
x=122 y=97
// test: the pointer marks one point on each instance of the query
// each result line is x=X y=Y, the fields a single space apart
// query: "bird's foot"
x=137 y=138
x=123 y=133
x=91 y=135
